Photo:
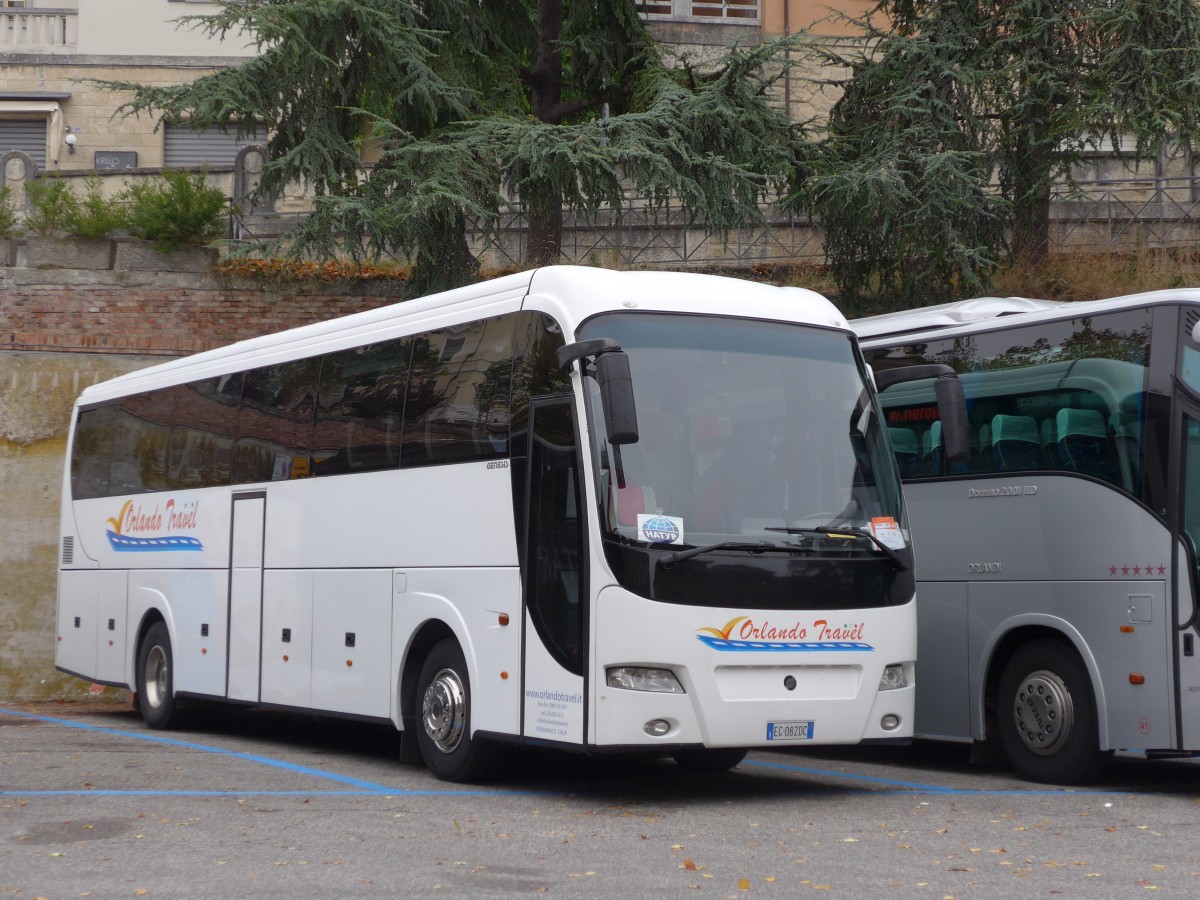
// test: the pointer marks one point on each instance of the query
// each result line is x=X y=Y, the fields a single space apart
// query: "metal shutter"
x=185 y=148
x=28 y=135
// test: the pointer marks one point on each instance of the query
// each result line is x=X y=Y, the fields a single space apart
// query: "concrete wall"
x=61 y=330
x=36 y=393
x=141 y=27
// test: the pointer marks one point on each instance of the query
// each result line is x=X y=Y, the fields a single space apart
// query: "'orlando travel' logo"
x=137 y=530
x=744 y=634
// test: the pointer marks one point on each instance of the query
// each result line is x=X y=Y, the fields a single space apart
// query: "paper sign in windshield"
x=887 y=532
x=659 y=529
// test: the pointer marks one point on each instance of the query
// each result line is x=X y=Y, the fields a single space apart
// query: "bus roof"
x=979 y=314
x=577 y=291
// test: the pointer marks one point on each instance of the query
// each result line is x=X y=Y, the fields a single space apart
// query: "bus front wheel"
x=444 y=719
x=155 y=684
x=1047 y=715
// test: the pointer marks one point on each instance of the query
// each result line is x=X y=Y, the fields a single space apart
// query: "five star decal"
x=1147 y=571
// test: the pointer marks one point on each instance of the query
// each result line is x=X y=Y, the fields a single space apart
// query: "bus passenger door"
x=1187 y=572
x=555 y=608
x=245 y=595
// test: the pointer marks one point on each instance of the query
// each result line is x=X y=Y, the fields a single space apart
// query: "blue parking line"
x=361 y=787
x=917 y=787
x=150 y=793
x=370 y=788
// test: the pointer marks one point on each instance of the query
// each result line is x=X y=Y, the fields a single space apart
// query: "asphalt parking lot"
x=263 y=804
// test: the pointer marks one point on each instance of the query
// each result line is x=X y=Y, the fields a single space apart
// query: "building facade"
x=52 y=52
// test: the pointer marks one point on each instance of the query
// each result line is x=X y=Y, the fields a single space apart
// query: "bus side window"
x=140 y=445
x=458 y=393
x=275 y=422
x=91 y=452
x=205 y=415
x=536 y=372
x=360 y=408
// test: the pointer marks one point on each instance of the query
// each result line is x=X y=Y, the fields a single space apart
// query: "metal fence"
x=1097 y=216
x=1123 y=215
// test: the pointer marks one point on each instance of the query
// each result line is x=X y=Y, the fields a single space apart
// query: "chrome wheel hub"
x=443 y=710
x=157 y=676
x=1043 y=712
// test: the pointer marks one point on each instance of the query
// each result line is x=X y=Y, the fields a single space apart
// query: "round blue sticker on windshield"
x=660 y=529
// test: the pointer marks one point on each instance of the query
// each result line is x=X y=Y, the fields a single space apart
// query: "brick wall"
x=79 y=311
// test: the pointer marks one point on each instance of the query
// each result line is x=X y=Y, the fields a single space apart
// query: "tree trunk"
x=546 y=78
x=1031 y=226
x=1031 y=180
x=545 y=234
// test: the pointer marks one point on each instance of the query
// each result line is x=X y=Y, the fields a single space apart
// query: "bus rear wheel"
x=444 y=719
x=1047 y=715
x=155 y=678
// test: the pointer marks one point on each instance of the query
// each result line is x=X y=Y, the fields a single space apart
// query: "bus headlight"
x=893 y=677
x=643 y=678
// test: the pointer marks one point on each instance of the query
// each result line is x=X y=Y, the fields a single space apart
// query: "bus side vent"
x=68 y=550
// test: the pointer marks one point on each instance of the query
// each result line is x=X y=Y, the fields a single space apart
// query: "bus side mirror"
x=952 y=404
x=616 y=396
x=611 y=371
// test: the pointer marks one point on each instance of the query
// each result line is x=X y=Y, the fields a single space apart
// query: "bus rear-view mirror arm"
x=952 y=404
x=611 y=371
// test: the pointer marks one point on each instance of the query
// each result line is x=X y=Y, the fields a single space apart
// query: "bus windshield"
x=759 y=445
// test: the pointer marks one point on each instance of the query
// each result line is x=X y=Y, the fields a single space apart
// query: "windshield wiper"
x=757 y=547
x=847 y=534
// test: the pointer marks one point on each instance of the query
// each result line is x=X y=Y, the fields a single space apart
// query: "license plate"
x=789 y=731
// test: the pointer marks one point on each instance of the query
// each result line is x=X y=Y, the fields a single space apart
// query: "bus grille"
x=68 y=551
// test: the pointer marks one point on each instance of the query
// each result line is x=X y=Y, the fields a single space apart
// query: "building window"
x=740 y=11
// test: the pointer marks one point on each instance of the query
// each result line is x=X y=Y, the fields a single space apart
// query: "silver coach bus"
x=1057 y=567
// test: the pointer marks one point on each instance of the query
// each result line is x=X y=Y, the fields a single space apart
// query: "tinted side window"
x=458 y=393
x=201 y=446
x=140 y=444
x=1065 y=395
x=91 y=452
x=360 y=409
x=275 y=422
x=536 y=372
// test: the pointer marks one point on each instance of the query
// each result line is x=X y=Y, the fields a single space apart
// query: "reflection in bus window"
x=360 y=408
x=1063 y=395
x=275 y=422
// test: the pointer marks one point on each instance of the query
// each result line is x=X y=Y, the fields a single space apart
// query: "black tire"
x=707 y=760
x=155 y=679
x=1046 y=715
x=443 y=719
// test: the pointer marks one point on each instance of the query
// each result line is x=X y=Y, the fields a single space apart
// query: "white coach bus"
x=445 y=514
x=1057 y=574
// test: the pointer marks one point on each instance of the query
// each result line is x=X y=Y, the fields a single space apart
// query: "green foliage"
x=564 y=103
x=96 y=216
x=8 y=215
x=57 y=211
x=960 y=115
x=53 y=206
x=175 y=209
